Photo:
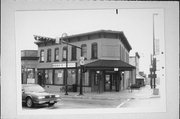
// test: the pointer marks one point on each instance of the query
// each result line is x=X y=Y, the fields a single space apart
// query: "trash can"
x=74 y=86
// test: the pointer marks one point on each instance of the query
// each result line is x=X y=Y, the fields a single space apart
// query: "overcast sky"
x=137 y=25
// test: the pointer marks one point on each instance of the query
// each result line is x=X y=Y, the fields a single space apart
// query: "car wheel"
x=29 y=102
x=51 y=104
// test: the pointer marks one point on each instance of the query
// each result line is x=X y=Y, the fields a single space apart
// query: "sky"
x=137 y=25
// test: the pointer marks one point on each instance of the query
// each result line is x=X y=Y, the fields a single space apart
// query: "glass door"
x=110 y=82
x=107 y=82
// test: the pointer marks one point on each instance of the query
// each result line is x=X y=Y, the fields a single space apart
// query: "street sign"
x=81 y=62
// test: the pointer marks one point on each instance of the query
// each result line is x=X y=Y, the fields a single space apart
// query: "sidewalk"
x=142 y=93
x=145 y=99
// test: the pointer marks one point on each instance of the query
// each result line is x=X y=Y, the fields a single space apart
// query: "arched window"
x=56 y=54
x=94 y=51
x=73 y=53
x=84 y=51
x=64 y=53
x=49 y=55
x=42 y=56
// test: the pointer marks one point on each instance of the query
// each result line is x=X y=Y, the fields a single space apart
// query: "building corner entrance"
x=112 y=82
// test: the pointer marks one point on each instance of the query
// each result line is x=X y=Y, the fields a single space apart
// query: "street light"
x=66 y=70
x=81 y=66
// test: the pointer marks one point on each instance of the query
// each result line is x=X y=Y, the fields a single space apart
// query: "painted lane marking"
x=120 y=105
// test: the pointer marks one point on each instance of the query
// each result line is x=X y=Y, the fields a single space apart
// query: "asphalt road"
x=70 y=103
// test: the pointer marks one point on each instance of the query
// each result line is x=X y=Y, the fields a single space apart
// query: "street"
x=69 y=103
x=137 y=98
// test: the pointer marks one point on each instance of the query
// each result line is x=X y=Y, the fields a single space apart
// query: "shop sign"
x=30 y=80
x=63 y=65
x=116 y=69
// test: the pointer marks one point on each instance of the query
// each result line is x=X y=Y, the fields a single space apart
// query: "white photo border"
x=11 y=43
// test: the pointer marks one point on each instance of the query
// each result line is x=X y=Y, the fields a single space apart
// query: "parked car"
x=34 y=94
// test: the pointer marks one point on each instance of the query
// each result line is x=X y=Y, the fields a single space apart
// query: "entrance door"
x=111 y=82
x=107 y=82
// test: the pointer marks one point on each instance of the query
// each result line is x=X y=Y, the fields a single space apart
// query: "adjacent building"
x=29 y=62
x=138 y=79
x=106 y=65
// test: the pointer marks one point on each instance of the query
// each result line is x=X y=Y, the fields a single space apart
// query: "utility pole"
x=154 y=57
x=81 y=66
x=153 y=60
x=66 y=70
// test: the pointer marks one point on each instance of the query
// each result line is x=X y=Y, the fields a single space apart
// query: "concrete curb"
x=89 y=97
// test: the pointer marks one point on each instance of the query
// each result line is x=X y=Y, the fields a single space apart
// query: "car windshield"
x=34 y=88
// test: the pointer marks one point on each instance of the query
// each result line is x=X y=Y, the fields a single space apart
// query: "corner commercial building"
x=106 y=55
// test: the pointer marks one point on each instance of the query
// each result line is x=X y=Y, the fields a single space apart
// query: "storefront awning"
x=109 y=64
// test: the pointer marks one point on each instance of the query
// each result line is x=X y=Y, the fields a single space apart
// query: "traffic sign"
x=81 y=62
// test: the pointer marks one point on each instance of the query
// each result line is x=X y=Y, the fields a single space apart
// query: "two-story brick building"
x=106 y=55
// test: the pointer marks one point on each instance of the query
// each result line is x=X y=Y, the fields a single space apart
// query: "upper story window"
x=56 y=54
x=84 y=51
x=127 y=59
x=94 y=51
x=64 y=53
x=49 y=55
x=42 y=56
x=73 y=53
x=120 y=52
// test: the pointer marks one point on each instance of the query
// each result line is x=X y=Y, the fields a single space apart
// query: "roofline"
x=123 y=37
x=101 y=31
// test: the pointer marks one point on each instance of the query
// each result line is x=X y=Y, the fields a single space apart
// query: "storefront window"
x=30 y=75
x=58 y=76
x=48 y=77
x=71 y=77
x=85 y=78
